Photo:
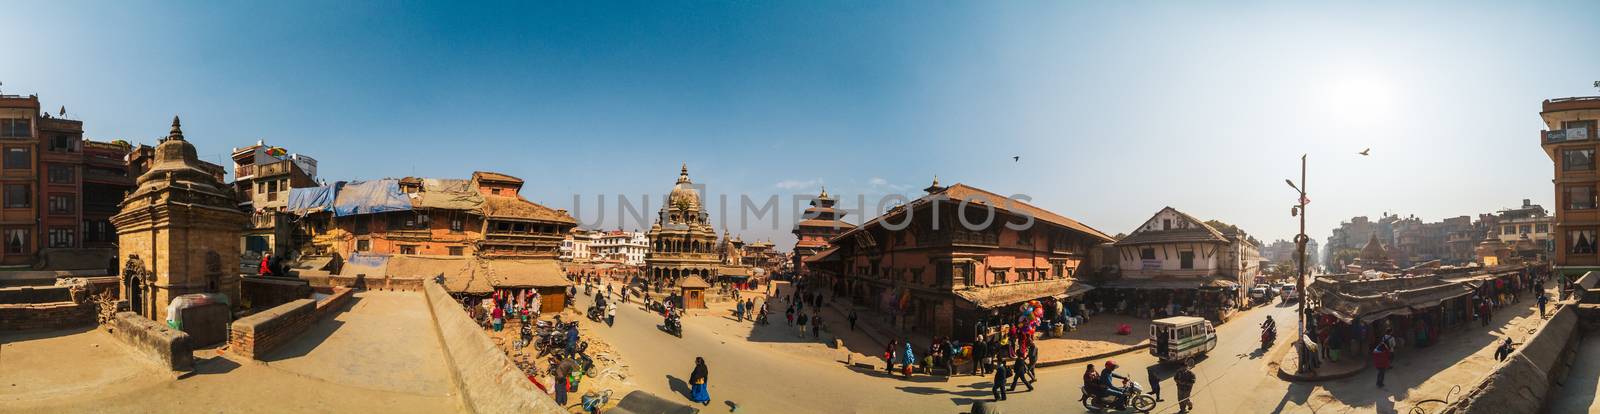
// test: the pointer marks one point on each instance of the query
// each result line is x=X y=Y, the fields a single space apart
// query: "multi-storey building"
x=19 y=213
x=578 y=246
x=263 y=176
x=59 y=196
x=105 y=181
x=617 y=246
x=1175 y=250
x=941 y=279
x=1570 y=141
x=57 y=190
x=1529 y=224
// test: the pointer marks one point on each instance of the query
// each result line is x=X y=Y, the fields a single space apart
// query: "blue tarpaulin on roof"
x=308 y=200
x=369 y=197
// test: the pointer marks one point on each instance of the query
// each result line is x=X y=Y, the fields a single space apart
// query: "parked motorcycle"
x=1137 y=400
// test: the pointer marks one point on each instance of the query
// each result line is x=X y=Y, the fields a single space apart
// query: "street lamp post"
x=1300 y=256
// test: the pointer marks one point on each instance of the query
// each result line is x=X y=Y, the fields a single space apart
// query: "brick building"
x=57 y=190
x=940 y=279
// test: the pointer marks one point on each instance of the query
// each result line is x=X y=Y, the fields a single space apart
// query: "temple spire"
x=177 y=130
x=683 y=173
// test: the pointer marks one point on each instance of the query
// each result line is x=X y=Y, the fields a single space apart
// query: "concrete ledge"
x=166 y=346
x=1522 y=382
x=255 y=335
x=489 y=382
x=364 y=282
x=334 y=302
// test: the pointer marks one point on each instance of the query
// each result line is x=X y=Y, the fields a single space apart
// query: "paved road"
x=762 y=378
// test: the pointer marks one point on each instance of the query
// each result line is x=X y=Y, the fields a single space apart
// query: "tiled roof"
x=525 y=273
x=494 y=176
x=960 y=192
x=826 y=223
x=1203 y=233
x=693 y=282
x=517 y=208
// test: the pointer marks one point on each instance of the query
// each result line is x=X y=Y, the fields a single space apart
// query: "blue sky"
x=1117 y=109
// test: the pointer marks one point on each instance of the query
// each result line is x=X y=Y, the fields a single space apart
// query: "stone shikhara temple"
x=178 y=232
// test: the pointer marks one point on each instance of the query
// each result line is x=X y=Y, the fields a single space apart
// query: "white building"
x=617 y=246
x=578 y=247
x=1176 y=245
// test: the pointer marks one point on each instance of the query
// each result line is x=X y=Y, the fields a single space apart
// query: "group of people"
x=796 y=315
x=522 y=305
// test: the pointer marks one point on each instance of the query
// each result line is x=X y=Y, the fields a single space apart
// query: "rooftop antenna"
x=1597 y=84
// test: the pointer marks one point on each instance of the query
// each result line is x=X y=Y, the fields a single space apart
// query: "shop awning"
x=1165 y=283
x=1013 y=293
x=1077 y=289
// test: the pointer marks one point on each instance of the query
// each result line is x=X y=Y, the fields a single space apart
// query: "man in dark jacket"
x=1001 y=374
x=980 y=350
x=1185 y=380
x=1033 y=361
x=1020 y=369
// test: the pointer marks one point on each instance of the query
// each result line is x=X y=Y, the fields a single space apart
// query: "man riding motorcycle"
x=1269 y=331
x=1108 y=376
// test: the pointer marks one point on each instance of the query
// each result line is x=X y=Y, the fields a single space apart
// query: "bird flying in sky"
x=1016 y=158
x=1364 y=152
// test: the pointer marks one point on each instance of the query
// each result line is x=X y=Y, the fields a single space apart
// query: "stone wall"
x=1521 y=383
x=489 y=382
x=258 y=334
x=407 y=284
x=268 y=292
x=166 y=346
x=334 y=302
x=57 y=315
x=35 y=294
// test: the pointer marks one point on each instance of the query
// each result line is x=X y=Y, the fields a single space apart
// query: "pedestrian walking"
x=852 y=320
x=1381 y=356
x=949 y=357
x=1185 y=380
x=1033 y=361
x=1018 y=369
x=1542 y=300
x=788 y=316
x=697 y=383
x=738 y=311
x=907 y=358
x=611 y=315
x=816 y=327
x=888 y=356
x=1483 y=312
x=801 y=322
x=1155 y=381
x=1001 y=374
